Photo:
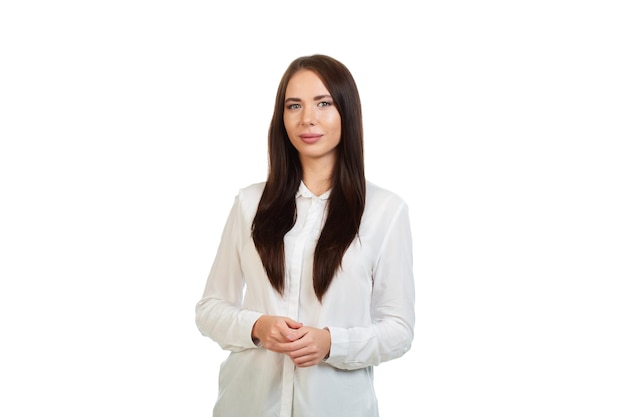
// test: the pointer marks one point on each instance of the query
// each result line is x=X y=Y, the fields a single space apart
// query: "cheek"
x=288 y=123
x=335 y=122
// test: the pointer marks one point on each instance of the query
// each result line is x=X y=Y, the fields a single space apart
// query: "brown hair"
x=276 y=213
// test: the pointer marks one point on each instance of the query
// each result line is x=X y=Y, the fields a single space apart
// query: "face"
x=311 y=119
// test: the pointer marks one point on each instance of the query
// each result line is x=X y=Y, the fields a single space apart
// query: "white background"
x=127 y=128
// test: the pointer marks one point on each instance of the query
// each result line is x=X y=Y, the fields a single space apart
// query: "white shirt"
x=368 y=308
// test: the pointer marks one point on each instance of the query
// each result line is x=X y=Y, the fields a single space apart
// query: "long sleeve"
x=219 y=314
x=392 y=307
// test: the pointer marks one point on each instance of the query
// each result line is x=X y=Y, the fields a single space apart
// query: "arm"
x=392 y=306
x=219 y=314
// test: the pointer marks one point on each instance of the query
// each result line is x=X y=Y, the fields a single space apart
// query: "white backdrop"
x=127 y=128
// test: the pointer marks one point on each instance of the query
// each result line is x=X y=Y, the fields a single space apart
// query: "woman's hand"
x=273 y=330
x=310 y=348
x=306 y=346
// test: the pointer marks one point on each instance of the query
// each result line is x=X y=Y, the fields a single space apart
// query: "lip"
x=310 y=137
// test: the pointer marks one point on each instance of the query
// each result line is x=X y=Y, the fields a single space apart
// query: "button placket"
x=305 y=235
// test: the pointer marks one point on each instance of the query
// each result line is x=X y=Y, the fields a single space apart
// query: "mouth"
x=310 y=137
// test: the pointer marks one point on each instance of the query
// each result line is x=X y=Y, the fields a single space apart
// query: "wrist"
x=254 y=333
x=329 y=343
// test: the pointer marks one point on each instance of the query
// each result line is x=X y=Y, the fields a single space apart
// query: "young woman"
x=312 y=284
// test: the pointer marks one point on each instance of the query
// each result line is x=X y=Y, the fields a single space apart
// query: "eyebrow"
x=314 y=98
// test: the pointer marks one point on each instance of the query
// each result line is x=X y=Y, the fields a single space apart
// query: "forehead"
x=305 y=83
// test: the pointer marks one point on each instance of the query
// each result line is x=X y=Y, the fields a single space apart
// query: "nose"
x=308 y=116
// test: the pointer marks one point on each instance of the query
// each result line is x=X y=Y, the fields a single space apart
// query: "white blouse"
x=368 y=308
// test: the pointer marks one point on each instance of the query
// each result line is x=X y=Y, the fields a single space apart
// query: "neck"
x=317 y=176
x=317 y=187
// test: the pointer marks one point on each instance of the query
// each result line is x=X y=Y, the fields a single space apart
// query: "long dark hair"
x=276 y=213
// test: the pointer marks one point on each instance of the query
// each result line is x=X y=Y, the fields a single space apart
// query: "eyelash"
x=320 y=104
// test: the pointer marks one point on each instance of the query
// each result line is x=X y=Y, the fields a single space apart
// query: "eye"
x=293 y=106
x=324 y=103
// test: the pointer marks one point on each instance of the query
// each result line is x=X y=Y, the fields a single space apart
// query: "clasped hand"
x=306 y=346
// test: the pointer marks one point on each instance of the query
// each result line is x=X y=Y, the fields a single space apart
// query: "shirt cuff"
x=249 y=318
x=338 y=345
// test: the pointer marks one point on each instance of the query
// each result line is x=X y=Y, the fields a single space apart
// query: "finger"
x=290 y=347
x=300 y=333
x=290 y=335
x=305 y=361
x=293 y=334
x=292 y=324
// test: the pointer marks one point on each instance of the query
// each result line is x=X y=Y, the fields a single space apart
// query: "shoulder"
x=384 y=211
x=382 y=198
x=252 y=191
x=249 y=196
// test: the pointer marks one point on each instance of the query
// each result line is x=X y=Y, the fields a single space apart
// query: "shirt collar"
x=303 y=191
